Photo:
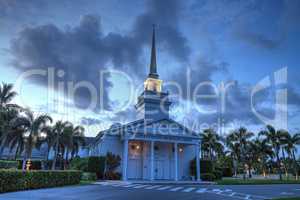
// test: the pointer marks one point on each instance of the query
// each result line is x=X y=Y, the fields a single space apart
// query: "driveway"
x=124 y=191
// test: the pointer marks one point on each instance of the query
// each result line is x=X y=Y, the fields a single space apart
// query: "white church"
x=154 y=147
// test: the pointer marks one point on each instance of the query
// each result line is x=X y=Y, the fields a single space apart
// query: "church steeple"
x=153 y=68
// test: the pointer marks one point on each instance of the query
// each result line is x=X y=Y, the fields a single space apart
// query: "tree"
x=76 y=139
x=211 y=143
x=291 y=143
x=274 y=137
x=33 y=127
x=8 y=112
x=262 y=151
x=237 y=141
x=58 y=137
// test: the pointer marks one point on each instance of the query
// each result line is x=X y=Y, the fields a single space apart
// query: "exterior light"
x=137 y=146
x=180 y=149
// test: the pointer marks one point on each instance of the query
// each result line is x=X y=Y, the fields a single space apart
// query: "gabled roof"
x=135 y=125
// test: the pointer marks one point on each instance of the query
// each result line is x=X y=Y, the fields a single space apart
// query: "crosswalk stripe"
x=175 y=189
x=201 y=190
x=152 y=187
x=189 y=189
x=141 y=186
x=131 y=185
x=164 y=188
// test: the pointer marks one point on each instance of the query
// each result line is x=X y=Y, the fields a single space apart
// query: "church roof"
x=159 y=127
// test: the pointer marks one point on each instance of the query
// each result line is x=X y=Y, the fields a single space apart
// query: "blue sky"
x=219 y=41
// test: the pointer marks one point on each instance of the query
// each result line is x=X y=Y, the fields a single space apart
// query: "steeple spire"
x=153 y=70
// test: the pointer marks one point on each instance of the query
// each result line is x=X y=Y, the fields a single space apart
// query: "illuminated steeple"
x=152 y=83
x=153 y=70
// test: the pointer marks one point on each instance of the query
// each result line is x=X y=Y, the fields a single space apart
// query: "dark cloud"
x=88 y=121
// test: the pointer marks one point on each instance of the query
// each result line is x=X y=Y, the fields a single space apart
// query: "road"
x=124 y=191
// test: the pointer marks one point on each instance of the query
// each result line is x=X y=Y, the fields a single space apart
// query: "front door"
x=134 y=168
x=159 y=169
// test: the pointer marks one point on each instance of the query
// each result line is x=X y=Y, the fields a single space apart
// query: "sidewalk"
x=161 y=182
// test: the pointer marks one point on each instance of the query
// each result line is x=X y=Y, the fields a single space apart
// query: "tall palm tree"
x=59 y=130
x=238 y=139
x=76 y=135
x=264 y=152
x=33 y=127
x=274 y=137
x=291 y=143
x=211 y=143
x=8 y=112
x=17 y=141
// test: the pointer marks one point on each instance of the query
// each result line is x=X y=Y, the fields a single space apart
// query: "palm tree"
x=76 y=135
x=211 y=143
x=291 y=143
x=238 y=140
x=17 y=141
x=274 y=137
x=264 y=152
x=33 y=127
x=7 y=117
x=6 y=94
x=8 y=112
x=59 y=129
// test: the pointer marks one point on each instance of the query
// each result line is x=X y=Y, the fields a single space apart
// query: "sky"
x=55 y=52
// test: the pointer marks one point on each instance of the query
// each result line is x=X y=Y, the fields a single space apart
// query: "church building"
x=154 y=147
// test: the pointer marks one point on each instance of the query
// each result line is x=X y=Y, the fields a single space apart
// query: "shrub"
x=218 y=174
x=96 y=165
x=8 y=164
x=206 y=166
x=227 y=172
x=109 y=175
x=88 y=176
x=208 y=177
x=14 y=180
x=79 y=164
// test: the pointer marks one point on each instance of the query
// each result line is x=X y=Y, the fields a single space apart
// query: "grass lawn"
x=86 y=182
x=255 y=182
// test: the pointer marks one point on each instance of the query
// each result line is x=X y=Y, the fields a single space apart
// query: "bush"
x=8 y=164
x=14 y=180
x=208 y=177
x=206 y=166
x=88 y=176
x=79 y=164
x=109 y=175
x=227 y=172
x=96 y=165
x=218 y=174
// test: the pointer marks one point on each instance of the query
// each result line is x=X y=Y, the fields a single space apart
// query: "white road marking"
x=287 y=193
x=201 y=190
x=176 y=189
x=248 y=197
x=141 y=186
x=164 y=188
x=131 y=185
x=189 y=189
x=152 y=187
x=228 y=190
x=232 y=194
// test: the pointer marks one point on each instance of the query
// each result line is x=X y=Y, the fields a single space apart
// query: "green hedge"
x=14 y=180
x=8 y=164
x=208 y=177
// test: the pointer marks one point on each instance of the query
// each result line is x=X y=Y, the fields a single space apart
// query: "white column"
x=125 y=159
x=176 y=162
x=197 y=152
x=152 y=160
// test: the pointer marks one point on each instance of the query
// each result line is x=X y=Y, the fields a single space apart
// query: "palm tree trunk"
x=55 y=157
x=278 y=165
x=2 y=147
x=284 y=163
x=17 y=151
x=295 y=165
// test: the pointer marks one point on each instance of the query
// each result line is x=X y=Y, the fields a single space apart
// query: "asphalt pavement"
x=131 y=191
